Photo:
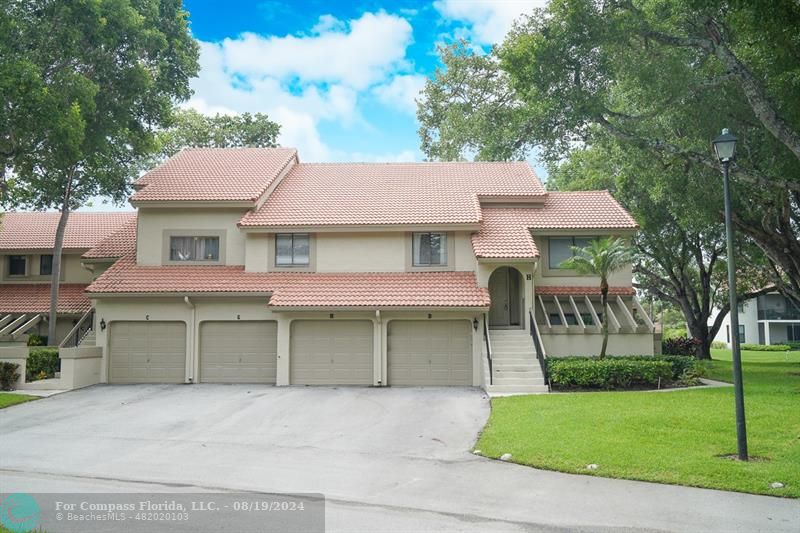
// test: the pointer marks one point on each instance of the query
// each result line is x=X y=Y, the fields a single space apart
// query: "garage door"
x=331 y=352
x=147 y=352
x=430 y=352
x=238 y=352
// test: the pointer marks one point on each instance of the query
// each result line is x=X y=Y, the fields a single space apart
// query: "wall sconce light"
x=475 y=323
x=102 y=324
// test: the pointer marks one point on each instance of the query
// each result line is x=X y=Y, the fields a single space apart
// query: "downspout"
x=380 y=345
x=190 y=347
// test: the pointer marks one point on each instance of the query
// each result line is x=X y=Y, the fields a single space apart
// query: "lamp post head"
x=725 y=146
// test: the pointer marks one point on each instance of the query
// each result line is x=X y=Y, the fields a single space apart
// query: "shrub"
x=766 y=347
x=37 y=340
x=42 y=362
x=673 y=332
x=794 y=345
x=8 y=375
x=679 y=346
x=719 y=345
x=608 y=373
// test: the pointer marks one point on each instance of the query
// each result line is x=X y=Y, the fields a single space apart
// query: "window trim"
x=169 y=233
x=25 y=274
x=272 y=244
x=293 y=264
x=451 y=251
x=41 y=258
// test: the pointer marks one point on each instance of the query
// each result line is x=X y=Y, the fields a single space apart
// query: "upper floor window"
x=194 y=248
x=292 y=249
x=45 y=265
x=17 y=265
x=429 y=249
x=561 y=249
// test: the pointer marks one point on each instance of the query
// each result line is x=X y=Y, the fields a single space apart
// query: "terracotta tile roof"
x=580 y=291
x=293 y=289
x=121 y=242
x=35 y=298
x=37 y=230
x=396 y=289
x=391 y=193
x=506 y=232
x=214 y=174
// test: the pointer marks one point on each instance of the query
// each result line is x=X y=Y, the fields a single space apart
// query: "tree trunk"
x=604 y=322
x=55 y=276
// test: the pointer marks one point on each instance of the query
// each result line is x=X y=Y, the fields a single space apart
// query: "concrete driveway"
x=386 y=459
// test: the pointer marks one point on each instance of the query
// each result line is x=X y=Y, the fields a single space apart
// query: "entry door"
x=499 y=291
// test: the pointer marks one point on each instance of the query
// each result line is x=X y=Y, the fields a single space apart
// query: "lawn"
x=676 y=437
x=9 y=398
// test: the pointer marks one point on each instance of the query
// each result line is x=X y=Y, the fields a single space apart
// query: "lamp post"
x=725 y=146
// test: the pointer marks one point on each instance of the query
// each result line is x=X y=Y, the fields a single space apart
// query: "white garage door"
x=331 y=352
x=430 y=352
x=238 y=352
x=147 y=352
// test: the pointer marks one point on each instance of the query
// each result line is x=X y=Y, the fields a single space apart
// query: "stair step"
x=507 y=332
x=516 y=389
x=517 y=382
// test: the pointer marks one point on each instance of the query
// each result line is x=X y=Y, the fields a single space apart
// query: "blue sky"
x=339 y=76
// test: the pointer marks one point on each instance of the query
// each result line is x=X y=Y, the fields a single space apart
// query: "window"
x=555 y=319
x=741 y=334
x=194 y=248
x=429 y=249
x=292 y=249
x=17 y=265
x=793 y=332
x=45 y=265
x=561 y=249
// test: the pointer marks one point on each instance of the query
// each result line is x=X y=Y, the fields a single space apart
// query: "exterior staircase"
x=88 y=339
x=515 y=369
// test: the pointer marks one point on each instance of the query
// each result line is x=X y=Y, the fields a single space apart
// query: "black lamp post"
x=725 y=146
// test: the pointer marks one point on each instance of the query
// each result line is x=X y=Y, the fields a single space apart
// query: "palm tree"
x=601 y=257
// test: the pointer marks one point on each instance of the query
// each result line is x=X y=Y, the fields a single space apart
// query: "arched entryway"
x=505 y=290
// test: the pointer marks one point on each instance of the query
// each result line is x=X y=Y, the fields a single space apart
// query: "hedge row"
x=621 y=372
x=43 y=363
x=766 y=347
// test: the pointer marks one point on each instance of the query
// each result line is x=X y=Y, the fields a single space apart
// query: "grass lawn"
x=10 y=398
x=669 y=437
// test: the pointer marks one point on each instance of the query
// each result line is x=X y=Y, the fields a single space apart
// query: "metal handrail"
x=488 y=346
x=541 y=356
x=79 y=330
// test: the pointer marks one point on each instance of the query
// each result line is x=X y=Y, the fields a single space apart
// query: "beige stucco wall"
x=358 y=252
x=547 y=277
x=588 y=344
x=71 y=269
x=152 y=223
x=528 y=276
x=247 y=308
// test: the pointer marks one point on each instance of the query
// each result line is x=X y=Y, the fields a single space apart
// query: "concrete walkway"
x=387 y=460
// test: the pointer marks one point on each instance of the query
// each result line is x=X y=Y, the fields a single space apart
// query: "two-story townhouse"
x=767 y=319
x=246 y=265
x=26 y=260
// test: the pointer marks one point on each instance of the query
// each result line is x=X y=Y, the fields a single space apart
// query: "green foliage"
x=718 y=345
x=43 y=363
x=609 y=373
x=679 y=346
x=673 y=333
x=794 y=345
x=766 y=347
x=37 y=340
x=8 y=375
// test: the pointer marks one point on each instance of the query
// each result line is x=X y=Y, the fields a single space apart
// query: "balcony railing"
x=779 y=314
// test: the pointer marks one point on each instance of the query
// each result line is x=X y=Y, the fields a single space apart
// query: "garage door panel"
x=238 y=352
x=325 y=352
x=430 y=352
x=147 y=352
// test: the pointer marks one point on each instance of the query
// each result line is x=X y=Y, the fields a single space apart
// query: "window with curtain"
x=194 y=248
x=45 y=265
x=292 y=249
x=17 y=265
x=561 y=249
x=429 y=249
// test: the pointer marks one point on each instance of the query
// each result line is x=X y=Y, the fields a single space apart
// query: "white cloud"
x=401 y=91
x=301 y=80
x=489 y=20
x=404 y=156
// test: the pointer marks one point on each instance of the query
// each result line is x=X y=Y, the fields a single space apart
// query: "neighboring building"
x=26 y=259
x=767 y=319
x=245 y=265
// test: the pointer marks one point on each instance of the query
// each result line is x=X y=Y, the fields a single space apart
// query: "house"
x=767 y=319
x=26 y=260
x=246 y=265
